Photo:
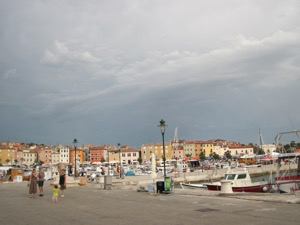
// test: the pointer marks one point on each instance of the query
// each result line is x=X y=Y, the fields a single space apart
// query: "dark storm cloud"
x=108 y=71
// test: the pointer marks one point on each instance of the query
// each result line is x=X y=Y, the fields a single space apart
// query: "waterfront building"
x=29 y=156
x=96 y=153
x=86 y=154
x=55 y=156
x=113 y=154
x=64 y=154
x=7 y=154
x=269 y=148
x=206 y=147
x=157 y=149
x=129 y=155
x=220 y=146
x=19 y=156
x=239 y=150
x=44 y=155
x=79 y=155
x=189 y=149
x=177 y=149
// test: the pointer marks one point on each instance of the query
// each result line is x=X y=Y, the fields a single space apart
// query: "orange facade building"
x=79 y=155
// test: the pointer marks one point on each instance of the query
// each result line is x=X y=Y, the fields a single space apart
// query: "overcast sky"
x=108 y=71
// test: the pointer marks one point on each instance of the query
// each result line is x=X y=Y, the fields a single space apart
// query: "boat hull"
x=256 y=188
x=288 y=184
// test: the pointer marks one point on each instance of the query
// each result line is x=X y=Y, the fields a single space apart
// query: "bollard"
x=107 y=182
x=226 y=187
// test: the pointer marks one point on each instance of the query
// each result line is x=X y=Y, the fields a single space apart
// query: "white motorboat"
x=240 y=182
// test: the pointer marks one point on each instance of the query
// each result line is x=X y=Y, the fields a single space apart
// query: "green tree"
x=260 y=151
x=16 y=161
x=202 y=156
x=102 y=160
x=228 y=155
x=7 y=161
x=215 y=156
x=257 y=150
x=140 y=160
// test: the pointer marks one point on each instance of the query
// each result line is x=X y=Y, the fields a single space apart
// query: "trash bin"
x=160 y=186
x=168 y=184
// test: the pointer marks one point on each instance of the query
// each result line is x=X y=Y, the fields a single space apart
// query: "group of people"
x=37 y=180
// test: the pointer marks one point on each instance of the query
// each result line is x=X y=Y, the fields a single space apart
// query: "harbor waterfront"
x=203 y=176
x=90 y=204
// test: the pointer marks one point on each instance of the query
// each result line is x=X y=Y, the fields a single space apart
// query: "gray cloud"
x=107 y=72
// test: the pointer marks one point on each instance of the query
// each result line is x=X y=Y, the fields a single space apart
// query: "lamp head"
x=162 y=125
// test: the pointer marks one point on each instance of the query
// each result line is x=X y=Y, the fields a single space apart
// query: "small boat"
x=240 y=182
x=189 y=185
x=287 y=183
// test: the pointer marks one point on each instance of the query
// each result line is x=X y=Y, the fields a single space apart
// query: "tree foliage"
x=228 y=155
x=215 y=156
x=140 y=160
x=202 y=156
x=257 y=150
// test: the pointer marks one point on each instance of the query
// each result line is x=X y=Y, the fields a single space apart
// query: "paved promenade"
x=90 y=205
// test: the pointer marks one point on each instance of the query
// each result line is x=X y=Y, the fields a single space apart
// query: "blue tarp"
x=129 y=173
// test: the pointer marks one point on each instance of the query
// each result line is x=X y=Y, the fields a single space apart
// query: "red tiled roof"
x=240 y=146
x=97 y=147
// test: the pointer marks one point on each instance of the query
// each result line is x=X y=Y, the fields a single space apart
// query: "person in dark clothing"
x=41 y=178
x=62 y=182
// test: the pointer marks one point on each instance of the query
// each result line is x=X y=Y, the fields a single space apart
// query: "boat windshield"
x=229 y=176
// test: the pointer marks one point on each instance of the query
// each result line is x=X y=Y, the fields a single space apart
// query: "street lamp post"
x=119 y=148
x=162 y=125
x=75 y=146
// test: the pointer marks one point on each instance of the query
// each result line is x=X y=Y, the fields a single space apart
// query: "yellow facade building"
x=157 y=149
x=207 y=147
x=189 y=149
x=7 y=155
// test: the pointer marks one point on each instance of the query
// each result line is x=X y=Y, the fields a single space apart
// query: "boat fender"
x=265 y=188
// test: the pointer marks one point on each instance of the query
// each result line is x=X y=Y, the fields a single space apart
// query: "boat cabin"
x=238 y=175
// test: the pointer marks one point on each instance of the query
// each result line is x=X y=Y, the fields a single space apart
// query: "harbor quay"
x=90 y=204
x=201 y=176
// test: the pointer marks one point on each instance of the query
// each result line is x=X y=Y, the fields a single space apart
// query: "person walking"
x=33 y=184
x=41 y=178
x=62 y=182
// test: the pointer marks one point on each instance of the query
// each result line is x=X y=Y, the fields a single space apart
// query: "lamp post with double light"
x=162 y=125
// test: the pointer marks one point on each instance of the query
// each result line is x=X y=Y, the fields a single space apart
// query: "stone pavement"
x=90 y=205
